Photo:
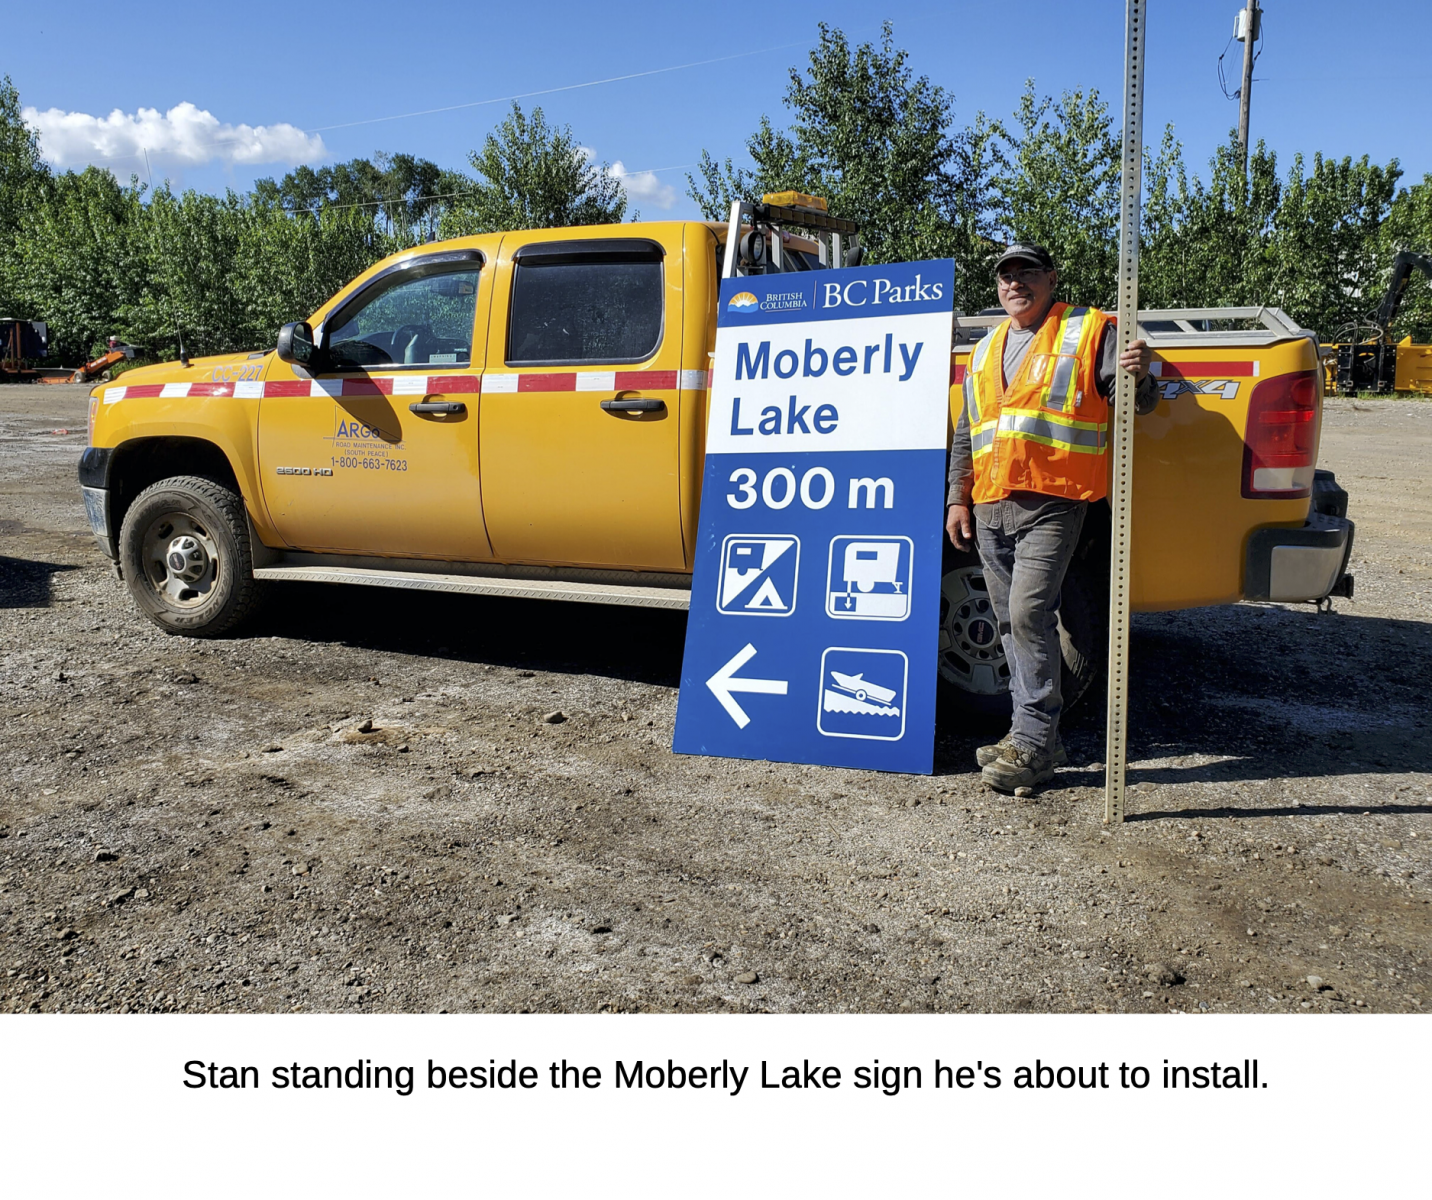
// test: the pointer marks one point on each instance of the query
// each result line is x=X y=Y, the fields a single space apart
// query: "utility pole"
x=1246 y=29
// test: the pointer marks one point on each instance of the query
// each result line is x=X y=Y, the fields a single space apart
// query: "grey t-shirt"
x=1016 y=345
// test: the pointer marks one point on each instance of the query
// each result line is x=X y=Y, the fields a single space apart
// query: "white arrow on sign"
x=723 y=683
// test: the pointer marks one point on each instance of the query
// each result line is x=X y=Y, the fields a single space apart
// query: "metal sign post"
x=1122 y=444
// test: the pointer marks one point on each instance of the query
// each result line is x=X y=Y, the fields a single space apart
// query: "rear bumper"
x=1300 y=564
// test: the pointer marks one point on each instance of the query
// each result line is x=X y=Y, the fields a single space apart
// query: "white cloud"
x=643 y=187
x=183 y=136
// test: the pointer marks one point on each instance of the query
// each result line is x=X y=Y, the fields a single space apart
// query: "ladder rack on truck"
x=757 y=250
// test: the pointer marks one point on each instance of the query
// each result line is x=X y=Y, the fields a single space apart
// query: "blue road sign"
x=823 y=506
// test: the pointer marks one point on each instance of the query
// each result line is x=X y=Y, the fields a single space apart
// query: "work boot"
x=987 y=754
x=1017 y=767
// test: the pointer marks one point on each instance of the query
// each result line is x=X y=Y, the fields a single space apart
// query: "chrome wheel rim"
x=971 y=655
x=181 y=560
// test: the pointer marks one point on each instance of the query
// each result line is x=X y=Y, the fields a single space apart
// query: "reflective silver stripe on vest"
x=981 y=350
x=1060 y=387
x=1086 y=440
x=972 y=372
x=982 y=439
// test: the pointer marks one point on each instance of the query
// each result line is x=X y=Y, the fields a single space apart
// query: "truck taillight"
x=1281 y=444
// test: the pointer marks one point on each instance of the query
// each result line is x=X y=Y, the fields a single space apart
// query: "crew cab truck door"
x=580 y=427
x=376 y=452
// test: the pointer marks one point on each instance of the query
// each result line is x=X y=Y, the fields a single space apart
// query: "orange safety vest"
x=1046 y=431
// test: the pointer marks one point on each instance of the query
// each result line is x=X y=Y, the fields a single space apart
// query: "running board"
x=484 y=585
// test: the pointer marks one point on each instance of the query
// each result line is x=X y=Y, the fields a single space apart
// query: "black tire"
x=184 y=551
x=973 y=672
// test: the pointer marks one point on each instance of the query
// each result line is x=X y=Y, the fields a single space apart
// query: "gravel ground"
x=359 y=806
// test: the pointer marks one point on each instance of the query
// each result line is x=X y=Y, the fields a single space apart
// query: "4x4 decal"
x=1227 y=388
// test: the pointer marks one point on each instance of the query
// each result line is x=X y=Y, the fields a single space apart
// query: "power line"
x=396 y=200
x=570 y=87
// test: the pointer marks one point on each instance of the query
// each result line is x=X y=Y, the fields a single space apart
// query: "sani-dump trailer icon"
x=869 y=563
x=857 y=687
x=870 y=578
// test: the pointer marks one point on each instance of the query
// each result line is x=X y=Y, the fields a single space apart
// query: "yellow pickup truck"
x=523 y=414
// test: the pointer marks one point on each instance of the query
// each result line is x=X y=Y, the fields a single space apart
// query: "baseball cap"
x=1028 y=251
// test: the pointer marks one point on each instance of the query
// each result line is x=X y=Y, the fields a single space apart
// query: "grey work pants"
x=1025 y=542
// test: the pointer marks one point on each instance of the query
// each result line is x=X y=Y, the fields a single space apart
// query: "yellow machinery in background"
x=1364 y=358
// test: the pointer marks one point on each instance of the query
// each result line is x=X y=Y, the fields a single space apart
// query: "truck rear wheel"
x=973 y=670
x=184 y=550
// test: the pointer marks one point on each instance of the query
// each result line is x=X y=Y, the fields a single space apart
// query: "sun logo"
x=743 y=300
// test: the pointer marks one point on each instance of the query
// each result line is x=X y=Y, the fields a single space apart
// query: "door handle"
x=438 y=406
x=633 y=405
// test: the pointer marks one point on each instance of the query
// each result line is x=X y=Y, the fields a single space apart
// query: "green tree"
x=75 y=260
x=977 y=237
x=1409 y=227
x=1328 y=260
x=286 y=267
x=866 y=135
x=404 y=194
x=22 y=172
x=532 y=175
x=189 y=243
x=1165 y=184
x=1061 y=188
x=1213 y=244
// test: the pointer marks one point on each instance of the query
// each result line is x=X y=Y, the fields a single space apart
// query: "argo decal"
x=363 y=446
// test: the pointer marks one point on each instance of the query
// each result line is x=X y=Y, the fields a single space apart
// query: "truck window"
x=420 y=322
x=585 y=307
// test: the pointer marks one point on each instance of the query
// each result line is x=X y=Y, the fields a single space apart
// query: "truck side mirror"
x=295 y=344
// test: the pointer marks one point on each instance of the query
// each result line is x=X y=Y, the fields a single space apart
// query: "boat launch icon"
x=862 y=693
x=851 y=693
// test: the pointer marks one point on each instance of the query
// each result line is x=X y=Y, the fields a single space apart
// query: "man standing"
x=1030 y=455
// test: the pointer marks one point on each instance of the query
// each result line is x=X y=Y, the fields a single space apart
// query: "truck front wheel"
x=184 y=550
x=973 y=670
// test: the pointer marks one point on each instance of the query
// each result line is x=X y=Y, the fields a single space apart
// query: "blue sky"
x=1329 y=78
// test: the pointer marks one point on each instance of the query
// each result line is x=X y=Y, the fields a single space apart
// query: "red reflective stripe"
x=454 y=383
x=288 y=387
x=957 y=372
x=656 y=380
x=139 y=391
x=1206 y=370
x=559 y=381
x=211 y=389
x=367 y=387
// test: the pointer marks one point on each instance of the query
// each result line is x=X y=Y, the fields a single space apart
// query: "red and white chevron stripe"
x=425 y=385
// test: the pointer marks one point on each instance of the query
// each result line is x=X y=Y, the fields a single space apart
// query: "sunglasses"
x=1026 y=275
